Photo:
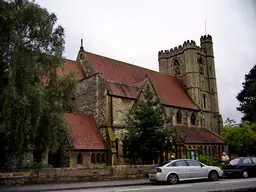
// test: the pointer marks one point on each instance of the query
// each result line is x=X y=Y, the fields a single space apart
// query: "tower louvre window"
x=201 y=66
x=176 y=67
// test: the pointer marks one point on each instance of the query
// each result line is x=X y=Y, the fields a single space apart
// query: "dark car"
x=241 y=166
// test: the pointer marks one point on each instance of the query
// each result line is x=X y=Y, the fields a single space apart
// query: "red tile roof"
x=84 y=132
x=198 y=135
x=71 y=66
x=167 y=87
x=123 y=90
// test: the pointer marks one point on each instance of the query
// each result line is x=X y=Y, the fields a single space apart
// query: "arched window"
x=93 y=158
x=204 y=101
x=116 y=141
x=176 y=67
x=193 y=119
x=201 y=66
x=103 y=157
x=99 y=158
x=179 y=117
x=79 y=159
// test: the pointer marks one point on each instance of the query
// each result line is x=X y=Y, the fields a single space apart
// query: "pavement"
x=76 y=186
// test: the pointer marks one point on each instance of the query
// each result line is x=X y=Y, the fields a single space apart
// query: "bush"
x=212 y=161
x=36 y=166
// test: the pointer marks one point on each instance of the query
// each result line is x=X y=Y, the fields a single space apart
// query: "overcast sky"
x=135 y=30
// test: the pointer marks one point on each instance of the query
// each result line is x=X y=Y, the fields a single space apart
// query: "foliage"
x=229 y=121
x=211 y=161
x=240 y=139
x=147 y=130
x=36 y=166
x=247 y=97
x=34 y=97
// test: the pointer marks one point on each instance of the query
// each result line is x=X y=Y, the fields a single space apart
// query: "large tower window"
x=176 y=66
x=201 y=66
x=178 y=117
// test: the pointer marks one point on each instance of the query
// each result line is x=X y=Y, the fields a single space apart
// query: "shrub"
x=212 y=161
x=36 y=166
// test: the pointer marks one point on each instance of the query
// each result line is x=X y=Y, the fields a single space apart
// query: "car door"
x=197 y=169
x=254 y=166
x=181 y=168
x=248 y=164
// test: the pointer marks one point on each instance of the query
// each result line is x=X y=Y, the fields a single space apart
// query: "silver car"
x=184 y=169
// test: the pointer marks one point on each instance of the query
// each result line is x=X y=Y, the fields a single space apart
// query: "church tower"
x=194 y=67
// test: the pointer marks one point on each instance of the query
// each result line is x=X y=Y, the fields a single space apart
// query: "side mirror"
x=202 y=165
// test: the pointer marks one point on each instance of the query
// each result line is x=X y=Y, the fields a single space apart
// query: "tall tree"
x=247 y=97
x=35 y=98
x=147 y=130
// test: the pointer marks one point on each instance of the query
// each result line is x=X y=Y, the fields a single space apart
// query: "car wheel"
x=245 y=174
x=213 y=176
x=173 y=179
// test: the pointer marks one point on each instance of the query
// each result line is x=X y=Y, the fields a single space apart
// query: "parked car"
x=241 y=166
x=184 y=169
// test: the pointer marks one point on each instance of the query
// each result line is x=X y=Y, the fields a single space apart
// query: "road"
x=182 y=187
x=138 y=185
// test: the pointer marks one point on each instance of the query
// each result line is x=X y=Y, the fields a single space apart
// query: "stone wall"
x=58 y=175
x=85 y=96
x=120 y=108
x=90 y=98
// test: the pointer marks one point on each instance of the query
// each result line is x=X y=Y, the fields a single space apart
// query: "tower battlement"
x=189 y=44
x=206 y=39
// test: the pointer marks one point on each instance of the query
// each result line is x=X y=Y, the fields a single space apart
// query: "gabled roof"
x=84 y=132
x=168 y=89
x=198 y=135
x=71 y=66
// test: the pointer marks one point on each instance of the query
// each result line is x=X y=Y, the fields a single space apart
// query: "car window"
x=172 y=164
x=247 y=161
x=234 y=161
x=180 y=163
x=194 y=163
x=254 y=160
x=164 y=163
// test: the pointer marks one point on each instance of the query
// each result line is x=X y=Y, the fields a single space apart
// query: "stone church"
x=108 y=88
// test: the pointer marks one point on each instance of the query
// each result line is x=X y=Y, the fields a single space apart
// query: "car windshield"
x=234 y=161
x=164 y=163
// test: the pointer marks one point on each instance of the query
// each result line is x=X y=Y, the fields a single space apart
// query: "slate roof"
x=198 y=135
x=84 y=132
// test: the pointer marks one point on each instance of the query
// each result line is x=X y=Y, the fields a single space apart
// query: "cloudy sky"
x=135 y=30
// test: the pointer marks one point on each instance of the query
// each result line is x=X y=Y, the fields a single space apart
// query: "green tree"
x=247 y=97
x=240 y=139
x=35 y=98
x=147 y=130
x=229 y=121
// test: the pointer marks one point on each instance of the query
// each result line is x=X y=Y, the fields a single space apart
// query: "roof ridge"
x=123 y=62
x=65 y=59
